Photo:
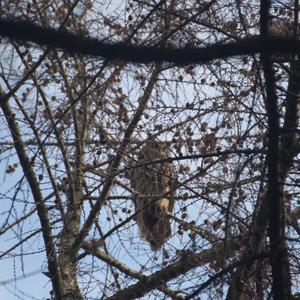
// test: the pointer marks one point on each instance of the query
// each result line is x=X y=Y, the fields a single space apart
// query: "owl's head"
x=154 y=150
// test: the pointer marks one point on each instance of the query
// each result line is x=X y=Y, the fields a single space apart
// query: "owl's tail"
x=160 y=232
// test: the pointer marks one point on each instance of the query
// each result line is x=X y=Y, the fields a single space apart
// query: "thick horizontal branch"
x=89 y=248
x=26 y=31
x=185 y=264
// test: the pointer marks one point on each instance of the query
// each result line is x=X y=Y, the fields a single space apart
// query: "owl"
x=155 y=191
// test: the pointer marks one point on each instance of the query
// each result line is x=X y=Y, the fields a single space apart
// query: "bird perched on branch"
x=154 y=185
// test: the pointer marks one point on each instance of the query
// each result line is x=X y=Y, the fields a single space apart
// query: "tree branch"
x=38 y=198
x=25 y=31
x=281 y=288
x=184 y=265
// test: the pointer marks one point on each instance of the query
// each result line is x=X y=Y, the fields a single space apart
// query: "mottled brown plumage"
x=154 y=184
